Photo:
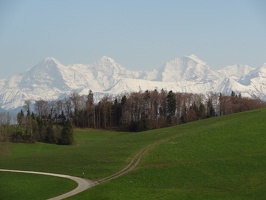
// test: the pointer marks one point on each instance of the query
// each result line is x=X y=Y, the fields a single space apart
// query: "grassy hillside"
x=97 y=153
x=218 y=158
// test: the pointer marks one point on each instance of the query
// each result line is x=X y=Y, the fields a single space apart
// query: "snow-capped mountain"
x=255 y=82
x=236 y=71
x=46 y=74
x=51 y=80
x=187 y=68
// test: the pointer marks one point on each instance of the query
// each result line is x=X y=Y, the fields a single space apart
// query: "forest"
x=53 y=121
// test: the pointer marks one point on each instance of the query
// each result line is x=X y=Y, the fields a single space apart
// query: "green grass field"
x=97 y=153
x=218 y=158
x=31 y=186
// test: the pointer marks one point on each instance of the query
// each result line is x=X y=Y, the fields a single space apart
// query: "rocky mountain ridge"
x=51 y=80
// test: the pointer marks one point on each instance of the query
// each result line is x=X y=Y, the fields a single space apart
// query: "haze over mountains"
x=51 y=80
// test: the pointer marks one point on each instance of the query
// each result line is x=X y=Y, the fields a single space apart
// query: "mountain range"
x=51 y=80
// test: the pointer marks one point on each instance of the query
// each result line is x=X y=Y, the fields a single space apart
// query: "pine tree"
x=210 y=109
x=202 y=111
x=20 y=117
x=90 y=110
x=171 y=104
x=67 y=134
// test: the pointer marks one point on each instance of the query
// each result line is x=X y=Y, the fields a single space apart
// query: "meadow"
x=31 y=186
x=217 y=158
x=96 y=154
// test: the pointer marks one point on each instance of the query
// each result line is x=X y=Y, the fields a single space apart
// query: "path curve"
x=84 y=184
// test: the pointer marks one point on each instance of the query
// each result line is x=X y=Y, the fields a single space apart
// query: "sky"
x=139 y=34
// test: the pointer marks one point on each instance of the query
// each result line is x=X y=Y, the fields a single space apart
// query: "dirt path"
x=134 y=161
x=84 y=184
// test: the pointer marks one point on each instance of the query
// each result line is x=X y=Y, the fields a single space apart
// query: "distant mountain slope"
x=236 y=71
x=188 y=68
x=50 y=80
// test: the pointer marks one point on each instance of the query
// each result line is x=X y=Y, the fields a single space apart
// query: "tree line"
x=52 y=121
x=32 y=127
x=138 y=111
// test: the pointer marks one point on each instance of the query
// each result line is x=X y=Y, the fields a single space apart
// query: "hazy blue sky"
x=139 y=34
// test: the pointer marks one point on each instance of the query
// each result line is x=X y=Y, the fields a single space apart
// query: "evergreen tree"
x=123 y=100
x=202 y=111
x=90 y=110
x=20 y=117
x=67 y=134
x=233 y=94
x=49 y=136
x=124 y=111
x=171 y=104
x=211 y=110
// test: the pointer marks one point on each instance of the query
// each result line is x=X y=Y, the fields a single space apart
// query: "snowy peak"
x=106 y=59
x=236 y=71
x=263 y=68
x=107 y=72
x=51 y=80
x=195 y=59
x=187 y=68
x=46 y=65
x=107 y=64
x=46 y=73
x=255 y=77
x=50 y=61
